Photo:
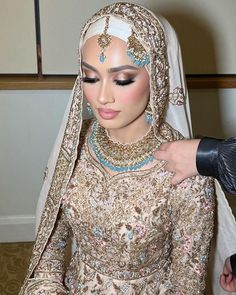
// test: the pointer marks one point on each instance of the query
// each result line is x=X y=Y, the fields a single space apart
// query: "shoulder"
x=168 y=133
x=86 y=126
x=197 y=190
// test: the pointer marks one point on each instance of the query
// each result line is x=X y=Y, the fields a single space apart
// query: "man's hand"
x=180 y=157
x=227 y=281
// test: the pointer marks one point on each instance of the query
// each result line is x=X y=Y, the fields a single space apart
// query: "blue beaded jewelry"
x=89 y=110
x=118 y=157
x=136 y=52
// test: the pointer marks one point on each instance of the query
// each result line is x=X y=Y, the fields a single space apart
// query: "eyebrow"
x=121 y=68
x=89 y=66
x=111 y=70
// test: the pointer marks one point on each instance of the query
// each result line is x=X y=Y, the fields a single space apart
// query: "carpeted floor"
x=14 y=259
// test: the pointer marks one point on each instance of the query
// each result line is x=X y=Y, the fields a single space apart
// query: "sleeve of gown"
x=49 y=273
x=193 y=204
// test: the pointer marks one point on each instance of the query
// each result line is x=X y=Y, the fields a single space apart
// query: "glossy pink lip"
x=107 y=114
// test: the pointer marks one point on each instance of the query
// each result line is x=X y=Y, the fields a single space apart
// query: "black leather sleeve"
x=217 y=158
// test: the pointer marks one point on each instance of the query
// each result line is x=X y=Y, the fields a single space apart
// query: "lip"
x=107 y=114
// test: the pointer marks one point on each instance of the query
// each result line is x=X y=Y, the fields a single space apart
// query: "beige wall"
x=213 y=112
x=17 y=37
x=206 y=29
x=29 y=122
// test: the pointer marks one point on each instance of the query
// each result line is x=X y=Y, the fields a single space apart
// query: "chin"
x=110 y=124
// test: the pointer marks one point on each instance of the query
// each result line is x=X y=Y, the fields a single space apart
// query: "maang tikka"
x=104 y=40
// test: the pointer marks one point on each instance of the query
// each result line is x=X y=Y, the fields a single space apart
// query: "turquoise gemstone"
x=102 y=58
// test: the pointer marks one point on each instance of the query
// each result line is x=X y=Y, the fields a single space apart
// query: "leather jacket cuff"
x=206 y=158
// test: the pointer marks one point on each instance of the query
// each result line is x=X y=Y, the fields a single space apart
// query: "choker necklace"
x=121 y=157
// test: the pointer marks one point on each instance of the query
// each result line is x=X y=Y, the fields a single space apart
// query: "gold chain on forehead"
x=104 y=40
x=136 y=52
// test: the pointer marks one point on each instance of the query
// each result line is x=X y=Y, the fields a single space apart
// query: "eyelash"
x=124 y=82
x=89 y=80
x=118 y=82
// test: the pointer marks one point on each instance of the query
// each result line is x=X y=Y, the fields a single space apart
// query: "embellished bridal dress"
x=132 y=231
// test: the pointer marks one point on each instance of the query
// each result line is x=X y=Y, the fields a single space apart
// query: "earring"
x=89 y=109
x=148 y=114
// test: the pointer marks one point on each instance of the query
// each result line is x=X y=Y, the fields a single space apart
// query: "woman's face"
x=117 y=90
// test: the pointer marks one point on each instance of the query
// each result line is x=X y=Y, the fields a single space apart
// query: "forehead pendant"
x=104 y=40
x=136 y=52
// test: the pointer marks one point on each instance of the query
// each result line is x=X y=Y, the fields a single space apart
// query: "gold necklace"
x=121 y=157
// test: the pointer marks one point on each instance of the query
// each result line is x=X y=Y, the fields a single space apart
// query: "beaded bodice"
x=119 y=219
x=134 y=233
x=127 y=225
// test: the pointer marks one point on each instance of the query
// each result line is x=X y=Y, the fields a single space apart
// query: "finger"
x=169 y=167
x=160 y=155
x=164 y=146
x=177 y=179
x=222 y=281
x=228 y=278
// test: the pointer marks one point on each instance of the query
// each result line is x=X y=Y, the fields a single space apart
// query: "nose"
x=105 y=94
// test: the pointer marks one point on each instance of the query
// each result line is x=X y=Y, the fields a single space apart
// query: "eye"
x=124 y=82
x=89 y=80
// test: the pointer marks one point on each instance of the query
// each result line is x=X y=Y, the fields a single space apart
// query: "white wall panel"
x=29 y=123
x=61 y=23
x=205 y=29
x=17 y=37
x=213 y=112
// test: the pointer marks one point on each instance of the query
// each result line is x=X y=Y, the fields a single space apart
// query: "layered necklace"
x=121 y=157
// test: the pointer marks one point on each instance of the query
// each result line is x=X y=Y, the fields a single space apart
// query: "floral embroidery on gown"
x=134 y=233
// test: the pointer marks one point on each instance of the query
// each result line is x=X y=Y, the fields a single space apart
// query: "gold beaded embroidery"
x=136 y=52
x=122 y=157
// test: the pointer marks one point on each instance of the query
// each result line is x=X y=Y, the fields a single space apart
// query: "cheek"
x=134 y=94
x=88 y=93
